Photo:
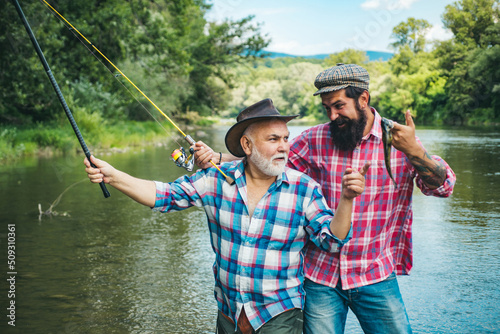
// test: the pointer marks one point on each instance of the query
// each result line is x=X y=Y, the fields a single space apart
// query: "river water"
x=113 y=266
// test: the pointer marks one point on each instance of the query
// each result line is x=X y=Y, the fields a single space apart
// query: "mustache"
x=341 y=121
x=279 y=156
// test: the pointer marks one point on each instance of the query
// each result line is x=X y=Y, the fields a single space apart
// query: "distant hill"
x=372 y=55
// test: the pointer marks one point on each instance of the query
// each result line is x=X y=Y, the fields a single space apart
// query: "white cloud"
x=387 y=4
x=403 y=4
x=438 y=33
x=371 y=4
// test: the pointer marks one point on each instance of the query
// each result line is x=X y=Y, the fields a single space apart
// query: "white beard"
x=268 y=167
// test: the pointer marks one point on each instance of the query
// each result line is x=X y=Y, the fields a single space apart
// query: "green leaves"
x=471 y=61
x=469 y=20
x=456 y=82
x=411 y=33
x=168 y=45
x=348 y=56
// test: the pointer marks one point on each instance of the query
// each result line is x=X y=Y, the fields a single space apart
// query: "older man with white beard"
x=258 y=225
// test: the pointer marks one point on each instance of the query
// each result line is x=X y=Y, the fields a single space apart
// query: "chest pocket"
x=285 y=232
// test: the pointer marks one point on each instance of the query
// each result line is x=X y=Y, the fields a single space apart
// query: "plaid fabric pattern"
x=258 y=260
x=382 y=215
x=340 y=76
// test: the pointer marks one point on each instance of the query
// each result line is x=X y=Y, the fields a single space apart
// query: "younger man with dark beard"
x=362 y=276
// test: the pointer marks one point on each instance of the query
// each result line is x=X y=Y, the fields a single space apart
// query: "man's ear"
x=363 y=99
x=246 y=144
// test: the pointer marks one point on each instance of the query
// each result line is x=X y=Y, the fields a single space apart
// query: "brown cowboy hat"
x=259 y=111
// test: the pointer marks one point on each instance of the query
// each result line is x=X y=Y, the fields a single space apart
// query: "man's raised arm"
x=141 y=191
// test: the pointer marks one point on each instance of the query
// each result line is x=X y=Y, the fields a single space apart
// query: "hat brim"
x=235 y=133
x=329 y=89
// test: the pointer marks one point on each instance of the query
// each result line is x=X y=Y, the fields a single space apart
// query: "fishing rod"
x=58 y=90
x=178 y=155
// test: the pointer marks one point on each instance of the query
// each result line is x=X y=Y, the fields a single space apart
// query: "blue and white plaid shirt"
x=258 y=260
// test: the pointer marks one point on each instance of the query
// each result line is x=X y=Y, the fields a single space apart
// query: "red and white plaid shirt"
x=382 y=215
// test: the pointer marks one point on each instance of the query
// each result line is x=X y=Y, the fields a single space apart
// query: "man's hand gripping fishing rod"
x=56 y=88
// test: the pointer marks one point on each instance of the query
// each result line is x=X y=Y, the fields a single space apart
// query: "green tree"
x=469 y=20
x=184 y=58
x=226 y=44
x=415 y=82
x=288 y=82
x=27 y=95
x=410 y=33
x=348 y=56
x=471 y=61
x=191 y=54
x=401 y=61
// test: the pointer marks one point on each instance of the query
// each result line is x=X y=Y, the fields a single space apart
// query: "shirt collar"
x=376 y=129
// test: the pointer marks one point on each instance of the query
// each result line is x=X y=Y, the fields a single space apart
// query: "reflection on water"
x=114 y=266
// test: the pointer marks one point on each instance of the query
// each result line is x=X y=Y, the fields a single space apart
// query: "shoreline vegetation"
x=204 y=72
x=45 y=140
x=53 y=139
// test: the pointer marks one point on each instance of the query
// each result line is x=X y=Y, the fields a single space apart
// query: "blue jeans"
x=379 y=308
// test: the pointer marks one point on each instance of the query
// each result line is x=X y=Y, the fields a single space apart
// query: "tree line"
x=167 y=48
x=456 y=81
x=190 y=66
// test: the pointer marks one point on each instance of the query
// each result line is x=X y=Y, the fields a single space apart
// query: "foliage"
x=469 y=19
x=348 y=56
x=455 y=82
x=471 y=62
x=290 y=87
x=411 y=33
x=24 y=96
x=22 y=141
x=182 y=56
x=194 y=69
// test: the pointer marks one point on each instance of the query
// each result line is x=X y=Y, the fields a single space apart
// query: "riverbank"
x=58 y=138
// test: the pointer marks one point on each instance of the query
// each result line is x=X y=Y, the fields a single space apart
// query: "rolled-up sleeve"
x=181 y=194
x=319 y=217
x=446 y=189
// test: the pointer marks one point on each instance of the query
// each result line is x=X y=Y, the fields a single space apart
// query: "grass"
x=19 y=142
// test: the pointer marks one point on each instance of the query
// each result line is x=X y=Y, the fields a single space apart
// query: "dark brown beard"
x=349 y=136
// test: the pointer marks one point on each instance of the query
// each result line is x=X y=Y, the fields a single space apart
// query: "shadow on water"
x=113 y=266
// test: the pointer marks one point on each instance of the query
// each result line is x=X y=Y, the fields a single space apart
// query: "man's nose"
x=284 y=145
x=332 y=115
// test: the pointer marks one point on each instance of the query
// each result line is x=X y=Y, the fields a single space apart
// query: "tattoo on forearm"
x=432 y=172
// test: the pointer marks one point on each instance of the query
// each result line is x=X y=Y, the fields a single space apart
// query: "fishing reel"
x=182 y=160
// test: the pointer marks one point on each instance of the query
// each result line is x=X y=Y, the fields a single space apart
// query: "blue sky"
x=318 y=26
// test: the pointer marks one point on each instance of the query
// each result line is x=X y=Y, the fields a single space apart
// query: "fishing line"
x=186 y=137
x=115 y=75
x=57 y=90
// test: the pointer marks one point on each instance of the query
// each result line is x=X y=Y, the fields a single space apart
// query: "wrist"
x=415 y=151
x=345 y=198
